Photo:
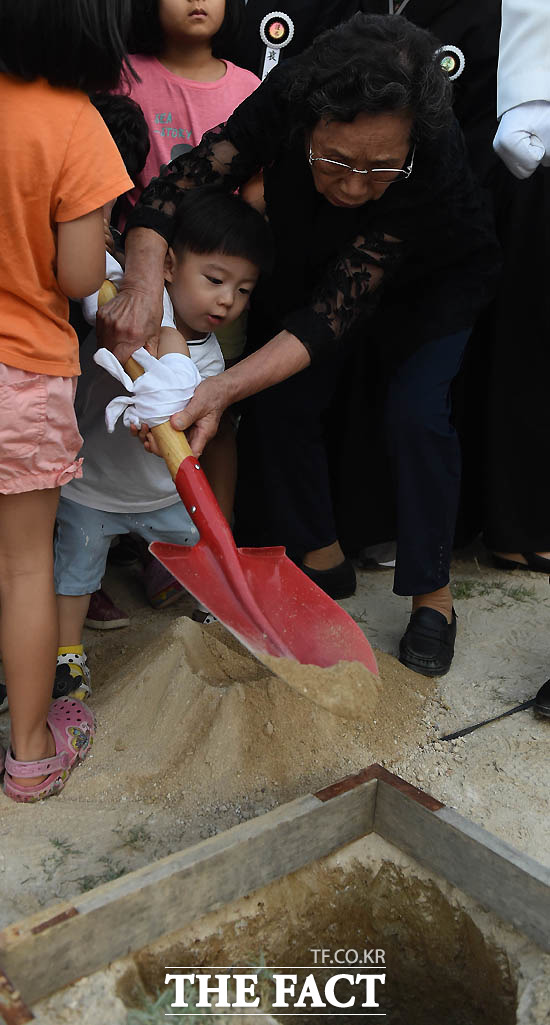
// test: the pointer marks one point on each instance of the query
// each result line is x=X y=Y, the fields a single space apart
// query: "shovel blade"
x=303 y=622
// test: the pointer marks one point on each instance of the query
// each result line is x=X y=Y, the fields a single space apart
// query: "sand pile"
x=196 y=717
x=193 y=736
x=348 y=689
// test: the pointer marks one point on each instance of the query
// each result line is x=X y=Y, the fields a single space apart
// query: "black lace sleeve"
x=349 y=288
x=215 y=160
x=230 y=154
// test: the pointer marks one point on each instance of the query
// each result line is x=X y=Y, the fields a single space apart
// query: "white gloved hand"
x=523 y=137
x=166 y=387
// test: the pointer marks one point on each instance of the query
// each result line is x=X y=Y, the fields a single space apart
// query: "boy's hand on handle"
x=130 y=320
x=144 y=435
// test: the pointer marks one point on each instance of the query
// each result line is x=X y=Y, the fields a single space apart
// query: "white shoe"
x=381 y=555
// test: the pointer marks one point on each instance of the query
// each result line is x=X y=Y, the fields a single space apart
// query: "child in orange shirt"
x=58 y=167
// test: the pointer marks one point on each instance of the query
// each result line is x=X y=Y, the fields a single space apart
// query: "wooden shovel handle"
x=173 y=445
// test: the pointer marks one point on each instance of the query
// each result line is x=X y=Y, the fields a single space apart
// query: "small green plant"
x=520 y=593
x=63 y=850
x=501 y=594
x=136 y=836
x=465 y=589
x=154 y=1012
x=266 y=985
x=64 y=846
x=112 y=871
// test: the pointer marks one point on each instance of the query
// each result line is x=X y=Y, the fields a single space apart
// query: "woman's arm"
x=345 y=292
x=230 y=154
x=348 y=289
x=219 y=159
x=133 y=317
x=282 y=357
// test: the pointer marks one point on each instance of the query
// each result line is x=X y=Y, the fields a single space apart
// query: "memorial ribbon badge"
x=276 y=32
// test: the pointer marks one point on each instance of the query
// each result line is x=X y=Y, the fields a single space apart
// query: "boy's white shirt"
x=119 y=475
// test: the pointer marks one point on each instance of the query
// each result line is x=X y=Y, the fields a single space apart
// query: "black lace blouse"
x=427 y=245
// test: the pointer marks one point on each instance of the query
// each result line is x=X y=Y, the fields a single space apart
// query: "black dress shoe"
x=428 y=644
x=532 y=561
x=542 y=700
x=338 y=582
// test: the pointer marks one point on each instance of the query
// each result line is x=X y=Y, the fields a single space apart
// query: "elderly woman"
x=368 y=193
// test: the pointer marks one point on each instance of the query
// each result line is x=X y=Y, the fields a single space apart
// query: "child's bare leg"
x=29 y=619
x=219 y=462
x=72 y=611
x=171 y=340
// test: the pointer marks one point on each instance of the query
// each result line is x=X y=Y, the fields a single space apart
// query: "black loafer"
x=542 y=700
x=532 y=561
x=428 y=644
x=338 y=582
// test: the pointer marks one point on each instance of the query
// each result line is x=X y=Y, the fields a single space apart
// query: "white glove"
x=166 y=387
x=523 y=137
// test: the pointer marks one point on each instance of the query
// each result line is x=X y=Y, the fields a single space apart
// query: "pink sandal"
x=72 y=726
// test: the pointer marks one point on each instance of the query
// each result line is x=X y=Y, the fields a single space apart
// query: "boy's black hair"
x=147 y=35
x=211 y=220
x=126 y=122
x=79 y=44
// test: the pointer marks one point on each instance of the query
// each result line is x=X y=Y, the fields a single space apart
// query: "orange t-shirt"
x=57 y=163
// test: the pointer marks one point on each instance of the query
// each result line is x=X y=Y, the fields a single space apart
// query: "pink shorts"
x=39 y=438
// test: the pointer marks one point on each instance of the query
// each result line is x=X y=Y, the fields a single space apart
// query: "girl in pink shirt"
x=186 y=88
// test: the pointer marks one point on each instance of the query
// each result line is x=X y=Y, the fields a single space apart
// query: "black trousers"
x=284 y=492
x=518 y=417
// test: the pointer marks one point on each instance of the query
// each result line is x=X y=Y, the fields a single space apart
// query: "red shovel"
x=257 y=593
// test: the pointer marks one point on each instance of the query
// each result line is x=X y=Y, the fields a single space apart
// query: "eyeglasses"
x=336 y=169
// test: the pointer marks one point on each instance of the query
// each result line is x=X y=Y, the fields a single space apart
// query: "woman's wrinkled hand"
x=201 y=417
x=128 y=321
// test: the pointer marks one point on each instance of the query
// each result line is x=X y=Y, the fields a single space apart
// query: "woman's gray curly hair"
x=372 y=64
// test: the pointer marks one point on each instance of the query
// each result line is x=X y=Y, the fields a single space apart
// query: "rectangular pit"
x=369 y=863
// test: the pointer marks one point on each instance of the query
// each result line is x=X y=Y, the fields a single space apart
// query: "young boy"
x=128 y=127
x=220 y=247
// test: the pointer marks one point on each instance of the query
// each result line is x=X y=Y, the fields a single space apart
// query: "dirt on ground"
x=195 y=735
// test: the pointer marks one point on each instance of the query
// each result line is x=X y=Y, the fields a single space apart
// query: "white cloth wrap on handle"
x=165 y=388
